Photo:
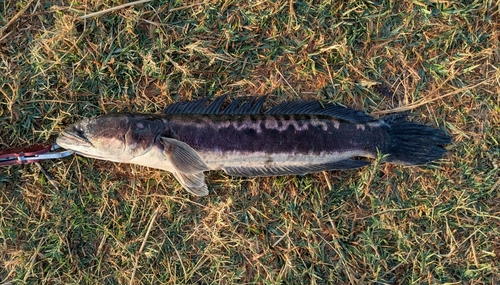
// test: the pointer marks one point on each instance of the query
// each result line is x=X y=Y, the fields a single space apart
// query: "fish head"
x=116 y=137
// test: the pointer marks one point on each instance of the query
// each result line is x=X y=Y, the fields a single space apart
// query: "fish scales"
x=296 y=137
x=293 y=134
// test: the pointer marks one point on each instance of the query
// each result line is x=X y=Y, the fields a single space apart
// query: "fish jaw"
x=101 y=138
x=73 y=138
x=69 y=139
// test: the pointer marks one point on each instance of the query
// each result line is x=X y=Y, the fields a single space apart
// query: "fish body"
x=297 y=137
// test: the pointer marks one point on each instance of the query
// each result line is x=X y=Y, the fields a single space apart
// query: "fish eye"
x=80 y=132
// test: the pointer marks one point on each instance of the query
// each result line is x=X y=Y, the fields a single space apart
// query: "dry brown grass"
x=114 y=224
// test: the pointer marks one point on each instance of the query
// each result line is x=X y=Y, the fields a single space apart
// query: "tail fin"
x=412 y=143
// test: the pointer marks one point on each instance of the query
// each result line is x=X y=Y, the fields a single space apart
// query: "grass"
x=113 y=224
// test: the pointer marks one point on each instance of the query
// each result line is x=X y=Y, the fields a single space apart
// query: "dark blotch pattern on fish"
x=275 y=134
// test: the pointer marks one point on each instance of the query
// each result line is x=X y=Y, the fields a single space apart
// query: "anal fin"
x=250 y=171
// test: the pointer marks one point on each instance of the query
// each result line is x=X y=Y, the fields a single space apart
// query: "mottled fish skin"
x=304 y=134
x=308 y=136
x=292 y=138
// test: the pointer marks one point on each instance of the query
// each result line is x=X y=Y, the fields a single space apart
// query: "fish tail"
x=413 y=143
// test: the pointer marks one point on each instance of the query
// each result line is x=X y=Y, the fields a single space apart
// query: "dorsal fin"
x=216 y=105
x=316 y=108
x=253 y=105
x=240 y=106
x=187 y=107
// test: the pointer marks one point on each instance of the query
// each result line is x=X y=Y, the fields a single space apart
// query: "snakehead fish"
x=298 y=137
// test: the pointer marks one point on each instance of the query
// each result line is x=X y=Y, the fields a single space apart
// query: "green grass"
x=112 y=224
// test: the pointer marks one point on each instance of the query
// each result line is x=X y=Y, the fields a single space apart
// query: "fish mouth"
x=75 y=141
x=73 y=137
x=89 y=155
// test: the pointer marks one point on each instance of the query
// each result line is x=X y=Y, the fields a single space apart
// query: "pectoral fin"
x=184 y=158
x=188 y=165
x=194 y=182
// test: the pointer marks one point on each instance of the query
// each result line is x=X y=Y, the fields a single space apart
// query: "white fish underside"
x=220 y=161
